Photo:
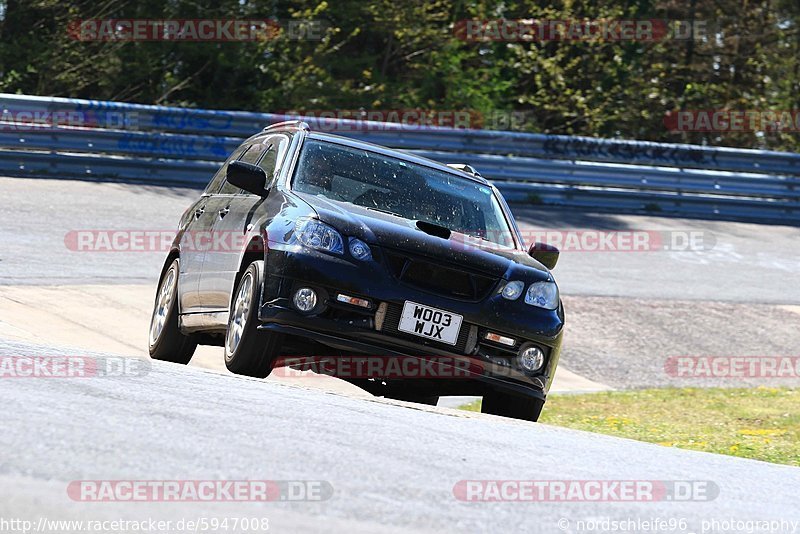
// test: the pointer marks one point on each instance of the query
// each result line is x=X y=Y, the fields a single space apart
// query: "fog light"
x=360 y=250
x=364 y=303
x=305 y=299
x=531 y=358
x=497 y=338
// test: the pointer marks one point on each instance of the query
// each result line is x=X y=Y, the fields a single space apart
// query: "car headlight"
x=360 y=250
x=319 y=236
x=512 y=290
x=543 y=295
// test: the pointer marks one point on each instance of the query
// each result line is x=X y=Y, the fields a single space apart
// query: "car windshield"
x=402 y=188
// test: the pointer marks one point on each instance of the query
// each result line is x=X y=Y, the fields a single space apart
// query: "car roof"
x=399 y=154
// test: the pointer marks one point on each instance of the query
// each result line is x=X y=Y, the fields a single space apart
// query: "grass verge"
x=759 y=423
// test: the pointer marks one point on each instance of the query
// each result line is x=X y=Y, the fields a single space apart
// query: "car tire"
x=514 y=406
x=166 y=341
x=248 y=350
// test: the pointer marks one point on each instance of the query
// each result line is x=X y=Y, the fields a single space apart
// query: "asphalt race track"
x=733 y=258
x=627 y=312
x=392 y=466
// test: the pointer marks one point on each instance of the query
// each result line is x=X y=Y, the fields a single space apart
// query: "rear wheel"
x=514 y=406
x=248 y=350
x=166 y=342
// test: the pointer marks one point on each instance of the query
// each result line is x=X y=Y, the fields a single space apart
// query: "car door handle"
x=199 y=212
x=223 y=212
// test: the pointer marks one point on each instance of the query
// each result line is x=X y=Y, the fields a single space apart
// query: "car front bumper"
x=349 y=328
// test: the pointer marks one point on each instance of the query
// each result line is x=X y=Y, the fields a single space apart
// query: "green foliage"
x=389 y=54
x=759 y=423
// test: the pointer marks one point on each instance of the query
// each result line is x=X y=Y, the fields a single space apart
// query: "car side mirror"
x=249 y=177
x=545 y=254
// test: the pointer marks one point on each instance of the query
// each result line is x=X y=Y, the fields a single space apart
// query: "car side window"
x=273 y=156
x=251 y=154
x=219 y=177
x=267 y=152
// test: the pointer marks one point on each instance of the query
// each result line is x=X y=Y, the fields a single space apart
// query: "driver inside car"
x=318 y=175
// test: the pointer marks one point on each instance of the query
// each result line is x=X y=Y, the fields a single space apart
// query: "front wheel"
x=514 y=406
x=167 y=342
x=248 y=350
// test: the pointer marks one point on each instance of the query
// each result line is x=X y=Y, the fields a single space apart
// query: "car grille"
x=392 y=320
x=439 y=279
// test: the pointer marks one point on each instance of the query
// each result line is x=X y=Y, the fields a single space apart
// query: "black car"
x=309 y=245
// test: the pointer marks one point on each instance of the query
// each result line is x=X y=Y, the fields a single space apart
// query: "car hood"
x=390 y=232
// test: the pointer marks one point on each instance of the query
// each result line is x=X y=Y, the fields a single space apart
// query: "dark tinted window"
x=251 y=154
x=277 y=148
x=265 y=152
x=254 y=152
x=402 y=188
x=215 y=183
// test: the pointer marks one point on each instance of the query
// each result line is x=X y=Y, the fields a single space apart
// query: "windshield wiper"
x=382 y=211
x=482 y=238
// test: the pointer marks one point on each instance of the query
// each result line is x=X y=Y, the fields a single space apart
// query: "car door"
x=195 y=238
x=235 y=220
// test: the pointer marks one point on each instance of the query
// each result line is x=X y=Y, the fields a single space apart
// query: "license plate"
x=430 y=323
